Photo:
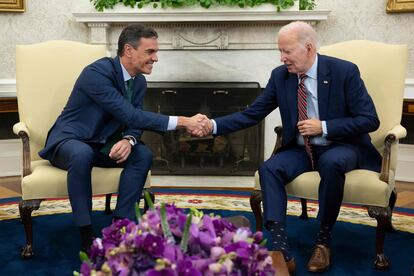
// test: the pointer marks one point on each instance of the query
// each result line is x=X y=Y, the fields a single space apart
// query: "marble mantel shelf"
x=263 y=13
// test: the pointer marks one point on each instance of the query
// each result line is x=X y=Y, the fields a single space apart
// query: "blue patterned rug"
x=56 y=238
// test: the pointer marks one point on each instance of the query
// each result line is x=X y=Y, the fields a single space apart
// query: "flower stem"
x=164 y=224
x=186 y=232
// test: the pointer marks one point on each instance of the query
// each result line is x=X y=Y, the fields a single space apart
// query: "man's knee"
x=73 y=155
x=141 y=155
x=270 y=166
x=338 y=164
x=82 y=154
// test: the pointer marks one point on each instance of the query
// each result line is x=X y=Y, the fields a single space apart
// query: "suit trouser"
x=332 y=162
x=78 y=158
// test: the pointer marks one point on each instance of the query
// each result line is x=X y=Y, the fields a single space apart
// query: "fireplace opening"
x=407 y=121
x=178 y=153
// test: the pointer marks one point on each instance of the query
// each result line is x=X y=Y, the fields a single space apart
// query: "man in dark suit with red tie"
x=326 y=114
x=102 y=123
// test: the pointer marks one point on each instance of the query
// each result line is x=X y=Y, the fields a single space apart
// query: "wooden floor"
x=10 y=187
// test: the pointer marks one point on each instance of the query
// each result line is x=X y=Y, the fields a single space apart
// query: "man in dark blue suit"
x=102 y=123
x=326 y=114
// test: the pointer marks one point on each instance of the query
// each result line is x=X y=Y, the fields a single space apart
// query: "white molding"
x=10 y=157
x=409 y=89
x=7 y=88
x=405 y=163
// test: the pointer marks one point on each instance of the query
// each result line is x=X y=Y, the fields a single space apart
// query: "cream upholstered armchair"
x=45 y=75
x=383 y=69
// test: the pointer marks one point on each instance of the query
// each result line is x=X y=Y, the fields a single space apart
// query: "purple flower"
x=112 y=235
x=214 y=247
x=172 y=252
x=85 y=269
x=185 y=268
x=154 y=245
x=163 y=272
x=258 y=237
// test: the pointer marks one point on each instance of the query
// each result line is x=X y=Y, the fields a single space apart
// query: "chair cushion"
x=362 y=187
x=47 y=181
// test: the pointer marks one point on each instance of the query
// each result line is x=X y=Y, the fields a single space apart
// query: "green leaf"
x=84 y=257
x=186 y=232
x=75 y=273
x=137 y=211
x=164 y=224
x=149 y=200
x=101 y=5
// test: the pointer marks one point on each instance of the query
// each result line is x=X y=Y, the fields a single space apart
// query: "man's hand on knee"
x=120 y=151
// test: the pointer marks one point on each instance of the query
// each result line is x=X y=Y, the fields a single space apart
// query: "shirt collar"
x=313 y=72
x=125 y=73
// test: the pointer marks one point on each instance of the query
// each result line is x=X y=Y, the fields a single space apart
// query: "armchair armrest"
x=392 y=137
x=278 y=130
x=21 y=126
x=22 y=131
x=398 y=131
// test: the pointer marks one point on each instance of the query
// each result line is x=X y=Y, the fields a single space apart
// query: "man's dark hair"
x=132 y=35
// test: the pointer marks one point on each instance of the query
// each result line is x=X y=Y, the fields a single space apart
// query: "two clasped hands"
x=198 y=125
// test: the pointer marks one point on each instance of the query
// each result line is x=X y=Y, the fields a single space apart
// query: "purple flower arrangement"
x=166 y=241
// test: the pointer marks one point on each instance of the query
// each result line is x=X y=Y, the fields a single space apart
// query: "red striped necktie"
x=302 y=113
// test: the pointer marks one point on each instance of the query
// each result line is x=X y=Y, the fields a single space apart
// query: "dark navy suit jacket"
x=343 y=103
x=96 y=108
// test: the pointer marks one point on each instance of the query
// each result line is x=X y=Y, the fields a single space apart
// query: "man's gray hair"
x=304 y=31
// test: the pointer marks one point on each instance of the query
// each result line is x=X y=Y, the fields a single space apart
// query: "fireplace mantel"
x=198 y=28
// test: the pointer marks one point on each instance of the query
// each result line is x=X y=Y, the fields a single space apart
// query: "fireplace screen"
x=177 y=153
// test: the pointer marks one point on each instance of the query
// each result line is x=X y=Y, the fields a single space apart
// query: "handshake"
x=199 y=125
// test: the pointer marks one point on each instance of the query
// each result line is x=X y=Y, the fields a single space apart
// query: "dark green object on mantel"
x=101 y=5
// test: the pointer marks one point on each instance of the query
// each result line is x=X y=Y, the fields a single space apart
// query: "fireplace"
x=407 y=121
x=178 y=153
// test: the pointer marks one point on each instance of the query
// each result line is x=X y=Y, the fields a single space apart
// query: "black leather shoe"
x=320 y=259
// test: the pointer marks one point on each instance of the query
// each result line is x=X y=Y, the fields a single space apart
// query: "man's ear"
x=310 y=48
x=127 y=49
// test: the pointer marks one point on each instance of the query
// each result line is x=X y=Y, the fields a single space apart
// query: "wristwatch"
x=130 y=140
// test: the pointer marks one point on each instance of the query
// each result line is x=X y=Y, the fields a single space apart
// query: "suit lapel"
x=324 y=82
x=292 y=99
x=119 y=76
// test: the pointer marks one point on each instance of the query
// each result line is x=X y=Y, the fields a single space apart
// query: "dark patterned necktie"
x=303 y=114
x=119 y=133
x=129 y=89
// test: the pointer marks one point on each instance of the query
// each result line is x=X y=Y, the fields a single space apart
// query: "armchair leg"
x=382 y=215
x=108 y=210
x=393 y=200
x=255 y=200
x=25 y=209
x=152 y=196
x=304 y=204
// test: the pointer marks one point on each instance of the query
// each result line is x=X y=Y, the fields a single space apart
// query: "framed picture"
x=400 y=5
x=12 y=5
